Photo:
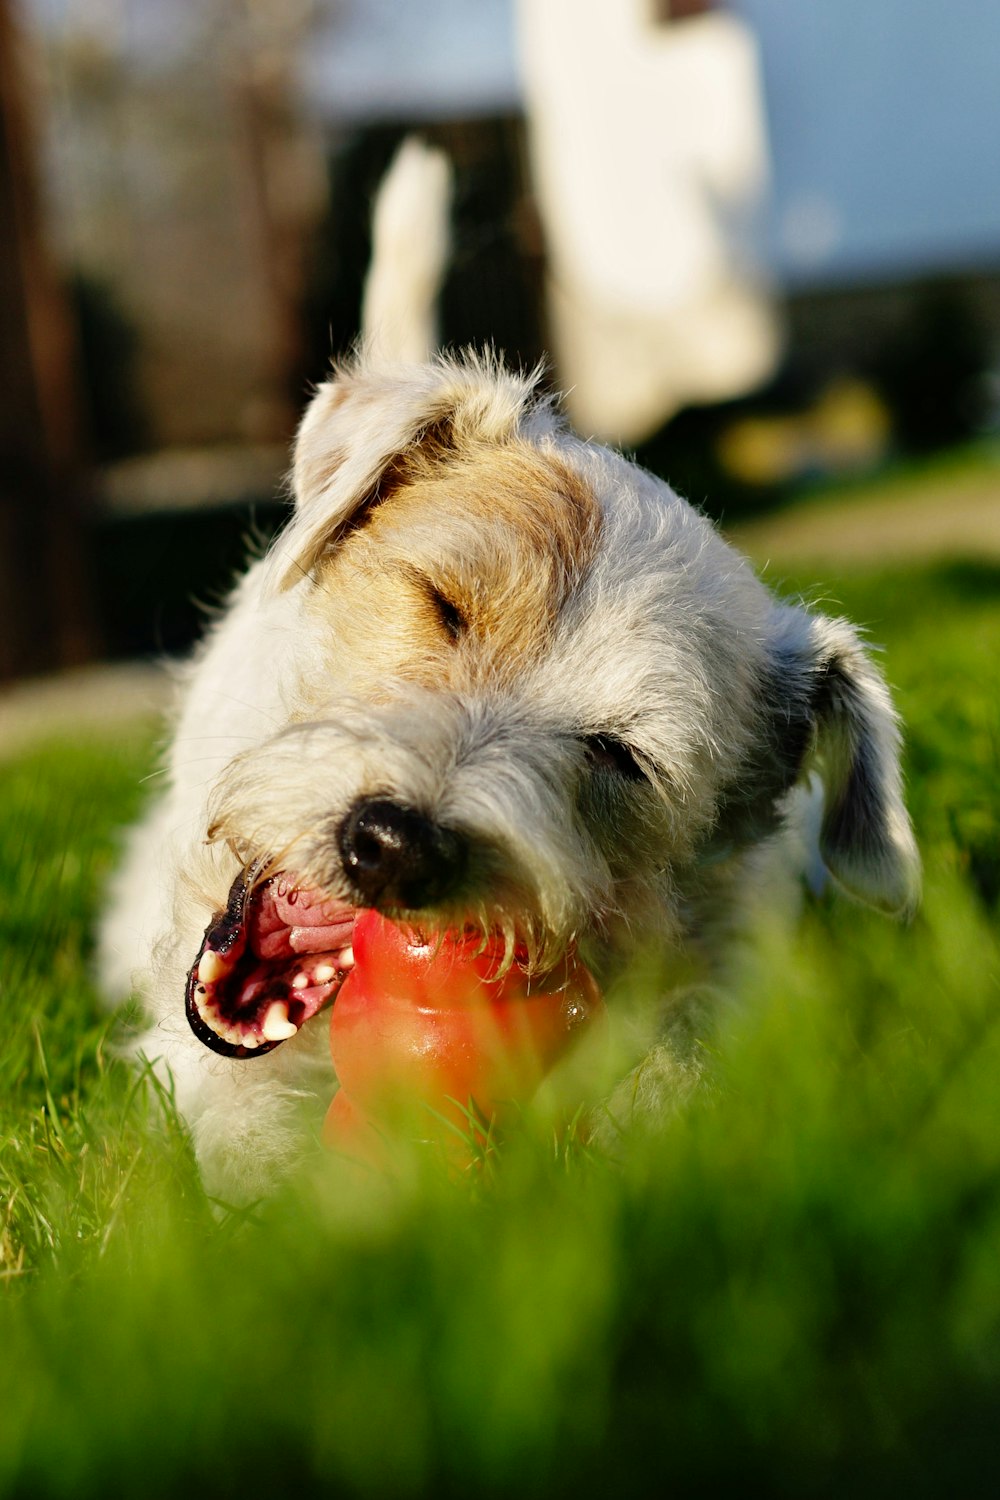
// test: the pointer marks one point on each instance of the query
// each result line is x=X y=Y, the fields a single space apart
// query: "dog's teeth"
x=277 y=1027
x=212 y=967
x=323 y=973
x=249 y=1040
x=301 y=980
x=346 y=960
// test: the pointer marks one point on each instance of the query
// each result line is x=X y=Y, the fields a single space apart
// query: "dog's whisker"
x=157 y=775
x=230 y=698
x=227 y=739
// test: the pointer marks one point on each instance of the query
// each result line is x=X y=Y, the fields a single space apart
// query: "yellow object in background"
x=846 y=431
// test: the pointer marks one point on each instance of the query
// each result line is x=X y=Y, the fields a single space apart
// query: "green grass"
x=792 y=1288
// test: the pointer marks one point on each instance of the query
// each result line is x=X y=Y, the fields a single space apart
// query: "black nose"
x=395 y=856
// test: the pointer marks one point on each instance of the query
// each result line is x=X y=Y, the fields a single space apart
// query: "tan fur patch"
x=460 y=568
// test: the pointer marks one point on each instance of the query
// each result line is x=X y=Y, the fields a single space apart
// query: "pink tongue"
x=289 y=920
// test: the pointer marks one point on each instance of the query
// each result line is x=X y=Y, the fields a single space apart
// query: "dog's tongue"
x=292 y=919
x=276 y=955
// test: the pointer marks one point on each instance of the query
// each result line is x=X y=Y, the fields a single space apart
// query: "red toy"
x=422 y=1021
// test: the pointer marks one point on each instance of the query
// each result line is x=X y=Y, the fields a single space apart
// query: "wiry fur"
x=474 y=612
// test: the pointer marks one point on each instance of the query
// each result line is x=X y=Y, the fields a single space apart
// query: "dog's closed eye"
x=606 y=753
x=448 y=612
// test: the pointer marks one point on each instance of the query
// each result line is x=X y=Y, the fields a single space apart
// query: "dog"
x=488 y=673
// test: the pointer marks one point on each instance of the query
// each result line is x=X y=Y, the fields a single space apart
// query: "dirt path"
x=89 y=700
x=933 y=516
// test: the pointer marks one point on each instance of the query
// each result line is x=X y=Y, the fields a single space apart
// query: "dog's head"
x=533 y=689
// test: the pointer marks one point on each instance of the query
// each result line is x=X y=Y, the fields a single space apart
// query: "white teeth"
x=323 y=973
x=347 y=958
x=210 y=1014
x=276 y=1026
x=212 y=967
x=301 y=980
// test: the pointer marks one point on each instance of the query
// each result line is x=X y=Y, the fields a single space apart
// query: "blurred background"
x=760 y=244
x=759 y=241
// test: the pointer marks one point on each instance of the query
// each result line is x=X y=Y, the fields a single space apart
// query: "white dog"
x=488 y=672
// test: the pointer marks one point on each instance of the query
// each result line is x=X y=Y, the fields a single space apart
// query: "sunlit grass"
x=791 y=1287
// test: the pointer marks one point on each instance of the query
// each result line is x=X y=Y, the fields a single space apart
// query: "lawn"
x=792 y=1288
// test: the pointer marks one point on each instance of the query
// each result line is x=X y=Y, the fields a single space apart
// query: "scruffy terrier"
x=488 y=673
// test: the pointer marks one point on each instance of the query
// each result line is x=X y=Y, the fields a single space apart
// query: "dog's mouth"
x=274 y=958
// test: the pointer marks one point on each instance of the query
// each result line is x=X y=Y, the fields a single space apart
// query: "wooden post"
x=45 y=621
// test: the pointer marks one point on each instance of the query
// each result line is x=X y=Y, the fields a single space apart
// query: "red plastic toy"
x=421 y=1022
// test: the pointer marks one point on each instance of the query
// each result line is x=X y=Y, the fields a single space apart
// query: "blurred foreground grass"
x=793 y=1288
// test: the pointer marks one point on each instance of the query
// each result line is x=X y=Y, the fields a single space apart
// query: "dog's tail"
x=410 y=248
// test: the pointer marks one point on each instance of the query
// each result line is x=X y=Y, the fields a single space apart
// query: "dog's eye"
x=448 y=612
x=608 y=754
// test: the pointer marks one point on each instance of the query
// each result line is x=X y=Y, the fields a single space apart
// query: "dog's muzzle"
x=395 y=856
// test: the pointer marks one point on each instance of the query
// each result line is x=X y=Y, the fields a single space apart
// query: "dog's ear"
x=370 y=425
x=842 y=724
x=824 y=712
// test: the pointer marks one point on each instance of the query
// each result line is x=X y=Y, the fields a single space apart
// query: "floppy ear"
x=853 y=742
x=367 y=426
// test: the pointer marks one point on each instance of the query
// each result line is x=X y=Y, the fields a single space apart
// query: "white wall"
x=884 y=121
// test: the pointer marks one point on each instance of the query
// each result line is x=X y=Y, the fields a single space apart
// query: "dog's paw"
x=673 y=1070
